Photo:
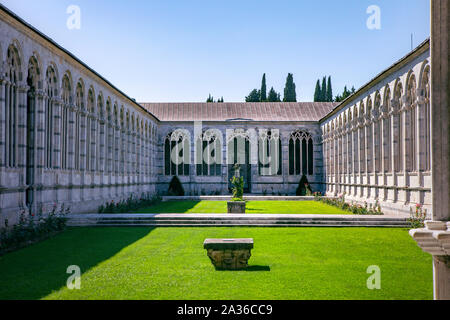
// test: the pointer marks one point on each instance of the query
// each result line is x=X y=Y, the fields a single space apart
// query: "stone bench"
x=229 y=254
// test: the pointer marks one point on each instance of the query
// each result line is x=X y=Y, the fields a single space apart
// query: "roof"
x=264 y=111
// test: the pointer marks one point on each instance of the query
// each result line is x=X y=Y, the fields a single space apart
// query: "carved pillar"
x=57 y=134
x=435 y=238
x=39 y=145
x=2 y=124
x=21 y=130
x=71 y=112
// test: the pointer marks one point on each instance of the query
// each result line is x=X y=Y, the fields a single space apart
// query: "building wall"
x=66 y=135
x=377 y=145
x=69 y=136
x=283 y=184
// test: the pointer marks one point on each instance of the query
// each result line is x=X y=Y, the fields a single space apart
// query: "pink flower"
x=418 y=206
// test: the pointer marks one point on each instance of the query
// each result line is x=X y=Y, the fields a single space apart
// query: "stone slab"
x=228 y=244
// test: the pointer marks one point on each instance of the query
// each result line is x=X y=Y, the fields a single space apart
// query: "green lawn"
x=282 y=207
x=170 y=263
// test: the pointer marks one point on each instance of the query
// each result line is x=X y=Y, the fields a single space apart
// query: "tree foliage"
x=263 y=92
x=318 y=92
x=290 y=94
x=329 y=97
x=254 y=96
x=323 y=94
x=273 y=96
x=345 y=94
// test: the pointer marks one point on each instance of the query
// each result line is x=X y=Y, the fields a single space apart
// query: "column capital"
x=23 y=88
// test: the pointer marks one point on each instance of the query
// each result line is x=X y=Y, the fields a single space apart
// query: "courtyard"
x=106 y=193
x=170 y=263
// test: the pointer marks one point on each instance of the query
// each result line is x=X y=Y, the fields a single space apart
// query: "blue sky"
x=180 y=51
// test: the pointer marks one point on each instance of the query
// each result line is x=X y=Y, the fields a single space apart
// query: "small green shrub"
x=175 y=187
x=304 y=189
x=130 y=204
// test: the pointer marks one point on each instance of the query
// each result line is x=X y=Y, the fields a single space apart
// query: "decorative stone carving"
x=434 y=239
x=229 y=254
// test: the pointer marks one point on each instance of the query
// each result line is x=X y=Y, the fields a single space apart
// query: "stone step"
x=186 y=220
x=236 y=217
x=239 y=225
x=243 y=221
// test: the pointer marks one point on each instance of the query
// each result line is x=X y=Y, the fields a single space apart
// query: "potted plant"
x=237 y=203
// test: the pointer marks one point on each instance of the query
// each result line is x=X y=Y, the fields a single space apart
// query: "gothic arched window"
x=410 y=115
x=12 y=106
x=209 y=153
x=66 y=98
x=425 y=134
x=270 y=153
x=301 y=153
x=51 y=86
x=177 y=153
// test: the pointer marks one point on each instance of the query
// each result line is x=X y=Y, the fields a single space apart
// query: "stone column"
x=57 y=133
x=435 y=237
x=71 y=114
x=40 y=145
x=2 y=124
x=83 y=153
x=22 y=128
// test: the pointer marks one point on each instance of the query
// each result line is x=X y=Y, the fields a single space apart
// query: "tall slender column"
x=21 y=130
x=434 y=238
x=39 y=144
x=71 y=146
x=420 y=138
x=2 y=123
x=57 y=133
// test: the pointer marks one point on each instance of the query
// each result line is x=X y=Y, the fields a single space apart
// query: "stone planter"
x=236 y=206
x=229 y=254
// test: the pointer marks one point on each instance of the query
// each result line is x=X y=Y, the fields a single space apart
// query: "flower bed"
x=32 y=228
x=366 y=209
x=417 y=217
x=129 y=205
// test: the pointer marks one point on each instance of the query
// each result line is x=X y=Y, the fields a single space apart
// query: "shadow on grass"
x=258 y=268
x=248 y=269
x=34 y=272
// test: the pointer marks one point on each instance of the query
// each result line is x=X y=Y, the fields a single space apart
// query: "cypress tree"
x=263 y=89
x=289 y=90
x=317 y=92
x=323 y=94
x=210 y=98
x=329 y=91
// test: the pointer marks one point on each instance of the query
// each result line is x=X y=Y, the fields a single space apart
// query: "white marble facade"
x=377 y=143
x=68 y=136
